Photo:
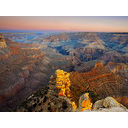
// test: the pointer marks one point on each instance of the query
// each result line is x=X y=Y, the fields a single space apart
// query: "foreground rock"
x=85 y=102
x=46 y=100
x=109 y=104
x=57 y=97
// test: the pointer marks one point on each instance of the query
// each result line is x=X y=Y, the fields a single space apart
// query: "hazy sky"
x=78 y=23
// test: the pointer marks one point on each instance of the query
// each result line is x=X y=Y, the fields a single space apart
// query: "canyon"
x=97 y=63
x=23 y=68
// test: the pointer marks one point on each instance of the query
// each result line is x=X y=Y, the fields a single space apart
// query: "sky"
x=65 y=23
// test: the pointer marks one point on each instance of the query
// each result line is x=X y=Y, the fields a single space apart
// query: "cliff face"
x=103 y=81
x=59 y=96
x=2 y=42
x=23 y=69
x=84 y=49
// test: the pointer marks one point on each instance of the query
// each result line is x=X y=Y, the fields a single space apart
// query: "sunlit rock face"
x=85 y=102
x=62 y=82
x=2 y=42
x=4 y=53
x=81 y=92
x=54 y=98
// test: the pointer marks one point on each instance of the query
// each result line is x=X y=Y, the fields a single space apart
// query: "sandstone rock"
x=101 y=81
x=2 y=42
x=18 y=78
x=110 y=102
x=84 y=102
x=81 y=100
x=98 y=104
x=46 y=100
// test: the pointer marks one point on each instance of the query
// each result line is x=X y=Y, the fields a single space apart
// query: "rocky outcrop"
x=98 y=104
x=101 y=81
x=85 y=102
x=109 y=104
x=46 y=100
x=2 y=42
x=57 y=97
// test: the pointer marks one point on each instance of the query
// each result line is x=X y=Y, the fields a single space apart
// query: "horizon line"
x=60 y=31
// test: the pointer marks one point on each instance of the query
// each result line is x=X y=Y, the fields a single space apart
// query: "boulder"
x=110 y=102
x=98 y=104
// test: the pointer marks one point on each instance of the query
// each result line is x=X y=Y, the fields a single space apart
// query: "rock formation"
x=22 y=71
x=46 y=100
x=85 y=102
x=2 y=42
x=101 y=81
x=84 y=49
x=54 y=98
x=109 y=104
